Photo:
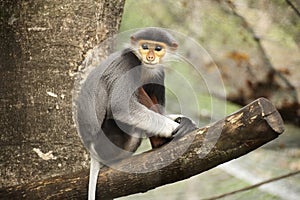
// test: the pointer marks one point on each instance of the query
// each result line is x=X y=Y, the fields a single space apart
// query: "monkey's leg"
x=152 y=104
x=147 y=101
x=186 y=124
x=94 y=171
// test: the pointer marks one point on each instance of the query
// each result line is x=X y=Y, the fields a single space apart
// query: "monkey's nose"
x=150 y=57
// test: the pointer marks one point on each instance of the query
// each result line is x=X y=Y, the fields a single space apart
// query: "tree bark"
x=42 y=45
x=201 y=150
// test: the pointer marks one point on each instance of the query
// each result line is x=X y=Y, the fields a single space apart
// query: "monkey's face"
x=151 y=52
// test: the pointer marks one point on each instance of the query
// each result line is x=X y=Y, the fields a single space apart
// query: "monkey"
x=152 y=103
x=123 y=98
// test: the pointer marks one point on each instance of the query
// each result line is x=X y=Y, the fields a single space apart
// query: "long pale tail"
x=94 y=171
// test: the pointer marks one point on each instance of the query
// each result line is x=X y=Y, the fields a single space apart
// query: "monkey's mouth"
x=150 y=64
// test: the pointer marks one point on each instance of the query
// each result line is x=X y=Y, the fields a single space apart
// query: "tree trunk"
x=203 y=149
x=42 y=45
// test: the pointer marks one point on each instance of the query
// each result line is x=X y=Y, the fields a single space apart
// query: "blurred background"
x=230 y=53
x=234 y=52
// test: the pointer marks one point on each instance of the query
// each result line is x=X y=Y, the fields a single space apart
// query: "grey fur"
x=155 y=34
x=109 y=118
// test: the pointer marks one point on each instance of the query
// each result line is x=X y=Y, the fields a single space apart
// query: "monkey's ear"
x=174 y=46
x=133 y=40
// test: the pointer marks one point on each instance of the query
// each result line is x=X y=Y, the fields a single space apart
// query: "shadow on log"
x=247 y=129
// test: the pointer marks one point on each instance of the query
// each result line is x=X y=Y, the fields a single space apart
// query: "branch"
x=254 y=186
x=201 y=150
x=293 y=7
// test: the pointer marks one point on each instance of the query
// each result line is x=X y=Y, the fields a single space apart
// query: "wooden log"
x=237 y=134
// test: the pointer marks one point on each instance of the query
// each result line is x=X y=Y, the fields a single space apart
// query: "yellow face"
x=151 y=52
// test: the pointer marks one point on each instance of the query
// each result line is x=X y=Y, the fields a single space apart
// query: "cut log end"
x=271 y=115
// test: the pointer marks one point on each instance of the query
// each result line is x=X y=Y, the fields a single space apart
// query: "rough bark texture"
x=205 y=148
x=42 y=44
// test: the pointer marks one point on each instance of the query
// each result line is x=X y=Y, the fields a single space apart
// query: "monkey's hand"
x=186 y=125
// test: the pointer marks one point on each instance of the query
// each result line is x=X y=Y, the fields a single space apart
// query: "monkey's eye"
x=144 y=46
x=158 y=48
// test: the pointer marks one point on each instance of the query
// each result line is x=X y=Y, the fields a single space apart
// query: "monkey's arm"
x=186 y=125
x=153 y=97
x=152 y=103
x=139 y=116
